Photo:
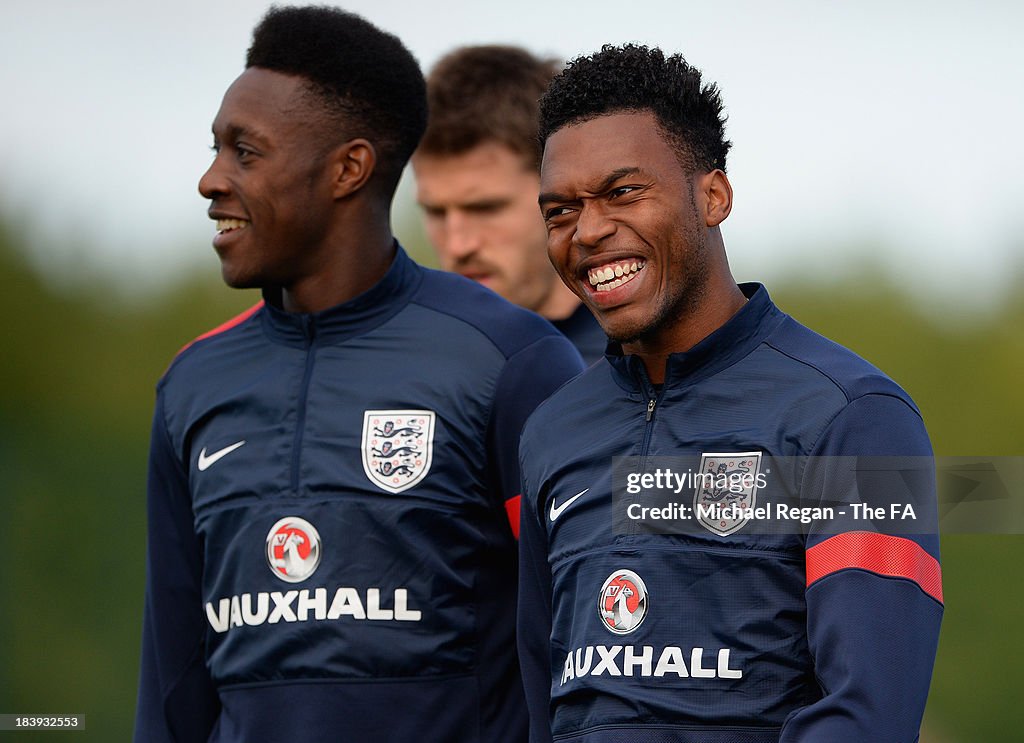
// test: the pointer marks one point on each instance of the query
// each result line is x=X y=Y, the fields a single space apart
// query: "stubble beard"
x=671 y=309
x=674 y=306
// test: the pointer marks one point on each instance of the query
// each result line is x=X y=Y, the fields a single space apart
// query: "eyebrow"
x=236 y=131
x=598 y=188
x=469 y=204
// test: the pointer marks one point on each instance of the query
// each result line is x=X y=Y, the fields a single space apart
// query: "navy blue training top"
x=330 y=555
x=689 y=624
x=585 y=333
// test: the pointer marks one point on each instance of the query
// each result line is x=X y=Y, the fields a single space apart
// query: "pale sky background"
x=892 y=126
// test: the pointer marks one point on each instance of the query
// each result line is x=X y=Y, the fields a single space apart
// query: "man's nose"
x=213 y=182
x=462 y=236
x=592 y=226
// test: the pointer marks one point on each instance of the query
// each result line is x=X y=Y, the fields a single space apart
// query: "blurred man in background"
x=333 y=481
x=477 y=176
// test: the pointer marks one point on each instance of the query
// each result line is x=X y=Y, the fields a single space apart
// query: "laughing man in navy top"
x=668 y=592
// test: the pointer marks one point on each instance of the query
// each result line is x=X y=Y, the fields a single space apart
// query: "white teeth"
x=607 y=287
x=225 y=225
x=613 y=275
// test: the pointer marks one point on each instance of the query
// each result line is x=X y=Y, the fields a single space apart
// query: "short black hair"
x=369 y=83
x=634 y=77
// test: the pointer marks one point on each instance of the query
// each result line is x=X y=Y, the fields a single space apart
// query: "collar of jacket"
x=359 y=315
x=743 y=332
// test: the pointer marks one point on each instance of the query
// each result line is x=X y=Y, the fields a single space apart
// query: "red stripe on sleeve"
x=237 y=320
x=897 y=557
x=512 y=509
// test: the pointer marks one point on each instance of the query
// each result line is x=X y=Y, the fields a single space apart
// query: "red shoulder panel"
x=237 y=320
x=512 y=510
x=896 y=557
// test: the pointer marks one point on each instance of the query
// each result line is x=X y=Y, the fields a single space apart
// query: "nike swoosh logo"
x=556 y=512
x=205 y=461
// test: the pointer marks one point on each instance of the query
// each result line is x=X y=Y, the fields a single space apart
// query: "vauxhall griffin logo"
x=623 y=603
x=293 y=549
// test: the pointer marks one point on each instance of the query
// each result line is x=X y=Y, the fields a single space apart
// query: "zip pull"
x=650 y=409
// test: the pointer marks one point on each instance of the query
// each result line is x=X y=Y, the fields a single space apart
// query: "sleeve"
x=177 y=700
x=533 y=624
x=527 y=379
x=874 y=593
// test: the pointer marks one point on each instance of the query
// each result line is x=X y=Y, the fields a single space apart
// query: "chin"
x=238 y=279
x=620 y=333
x=626 y=333
x=618 y=328
x=624 y=339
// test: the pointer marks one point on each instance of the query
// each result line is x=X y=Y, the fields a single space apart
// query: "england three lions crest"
x=726 y=490
x=398 y=446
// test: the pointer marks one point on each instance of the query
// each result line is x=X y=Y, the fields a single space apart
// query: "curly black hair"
x=365 y=79
x=634 y=77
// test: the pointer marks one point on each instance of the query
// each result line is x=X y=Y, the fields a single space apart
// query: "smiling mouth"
x=613 y=275
x=230 y=225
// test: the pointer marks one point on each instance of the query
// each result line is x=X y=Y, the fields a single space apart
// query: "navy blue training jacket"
x=738 y=626
x=330 y=555
x=582 y=329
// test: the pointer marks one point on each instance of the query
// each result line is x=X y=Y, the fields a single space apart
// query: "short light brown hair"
x=478 y=94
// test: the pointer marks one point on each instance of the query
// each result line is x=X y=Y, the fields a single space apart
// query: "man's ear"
x=716 y=196
x=353 y=164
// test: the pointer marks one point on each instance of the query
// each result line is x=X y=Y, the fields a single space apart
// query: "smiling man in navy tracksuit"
x=333 y=484
x=715 y=615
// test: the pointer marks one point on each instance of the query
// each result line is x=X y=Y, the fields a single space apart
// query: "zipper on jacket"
x=653 y=395
x=309 y=328
x=645 y=444
x=652 y=403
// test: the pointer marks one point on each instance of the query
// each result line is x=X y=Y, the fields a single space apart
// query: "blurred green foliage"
x=77 y=387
